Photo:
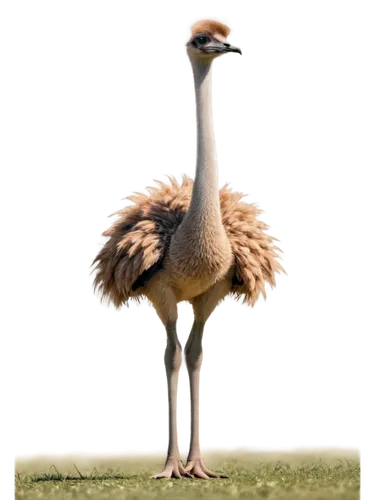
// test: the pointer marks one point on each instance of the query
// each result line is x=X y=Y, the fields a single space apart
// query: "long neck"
x=205 y=205
x=200 y=247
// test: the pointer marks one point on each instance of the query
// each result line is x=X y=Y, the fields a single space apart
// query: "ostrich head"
x=209 y=40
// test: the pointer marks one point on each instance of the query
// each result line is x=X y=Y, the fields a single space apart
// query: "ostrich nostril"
x=227 y=44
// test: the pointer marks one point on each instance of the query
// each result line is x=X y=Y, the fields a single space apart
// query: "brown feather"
x=210 y=26
x=141 y=236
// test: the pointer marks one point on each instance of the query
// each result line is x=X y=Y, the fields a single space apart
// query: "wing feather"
x=254 y=253
x=139 y=239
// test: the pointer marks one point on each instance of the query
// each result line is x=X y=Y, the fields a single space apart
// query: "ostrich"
x=188 y=242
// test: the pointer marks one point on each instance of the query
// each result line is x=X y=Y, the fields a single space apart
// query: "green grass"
x=290 y=476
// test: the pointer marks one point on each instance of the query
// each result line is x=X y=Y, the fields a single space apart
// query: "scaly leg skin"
x=173 y=468
x=194 y=356
x=197 y=469
x=172 y=359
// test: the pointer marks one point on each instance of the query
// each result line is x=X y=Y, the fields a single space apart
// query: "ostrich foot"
x=173 y=468
x=196 y=468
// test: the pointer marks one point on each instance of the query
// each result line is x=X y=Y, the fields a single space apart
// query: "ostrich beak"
x=234 y=49
x=220 y=48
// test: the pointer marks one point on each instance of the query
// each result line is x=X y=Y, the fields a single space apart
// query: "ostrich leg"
x=194 y=361
x=172 y=359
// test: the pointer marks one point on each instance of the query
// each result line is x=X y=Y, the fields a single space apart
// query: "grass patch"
x=289 y=476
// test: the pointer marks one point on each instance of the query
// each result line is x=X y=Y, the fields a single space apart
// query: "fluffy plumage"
x=210 y=26
x=140 y=238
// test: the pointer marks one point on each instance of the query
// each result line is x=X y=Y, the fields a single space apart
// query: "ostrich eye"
x=202 y=39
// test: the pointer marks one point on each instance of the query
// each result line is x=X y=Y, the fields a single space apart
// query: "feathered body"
x=140 y=239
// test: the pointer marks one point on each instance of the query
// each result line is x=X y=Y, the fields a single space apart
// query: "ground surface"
x=307 y=476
